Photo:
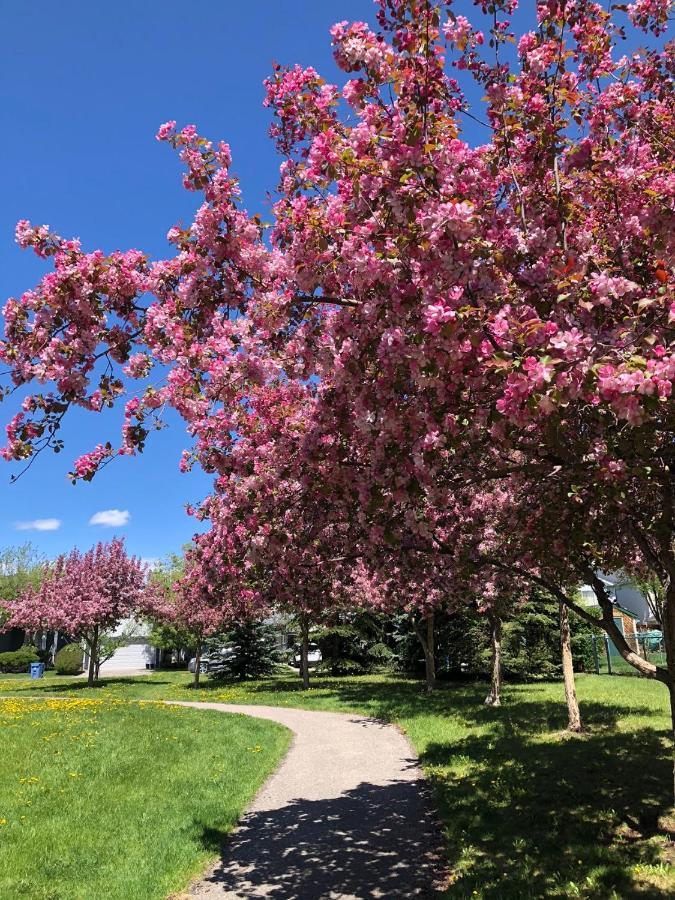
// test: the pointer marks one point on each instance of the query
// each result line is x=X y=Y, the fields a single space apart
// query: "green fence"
x=608 y=660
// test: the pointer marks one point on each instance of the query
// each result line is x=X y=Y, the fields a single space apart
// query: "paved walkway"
x=345 y=817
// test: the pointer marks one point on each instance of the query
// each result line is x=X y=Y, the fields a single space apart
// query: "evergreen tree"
x=254 y=652
x=353 y=644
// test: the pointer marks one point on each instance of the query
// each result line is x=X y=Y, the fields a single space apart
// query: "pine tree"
x=353 y=644
x=254 y=652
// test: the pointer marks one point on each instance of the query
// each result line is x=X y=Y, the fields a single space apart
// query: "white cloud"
x=111 y=518
x=152 y=562
x=39 y=525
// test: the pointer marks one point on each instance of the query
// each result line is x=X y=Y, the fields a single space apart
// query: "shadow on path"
x=359 y=845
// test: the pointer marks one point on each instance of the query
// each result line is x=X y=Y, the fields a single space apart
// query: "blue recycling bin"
x=37 y=670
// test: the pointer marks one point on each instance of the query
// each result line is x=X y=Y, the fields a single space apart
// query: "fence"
x=608 y=660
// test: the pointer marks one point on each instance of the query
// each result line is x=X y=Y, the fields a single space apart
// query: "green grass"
x=529 y=812
x=621 y=667
x=125 y=801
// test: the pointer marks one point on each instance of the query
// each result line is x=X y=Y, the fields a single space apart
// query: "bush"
x=18 y=660
x=69 y=660
x=380 y=657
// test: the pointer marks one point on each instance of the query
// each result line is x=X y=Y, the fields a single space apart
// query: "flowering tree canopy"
x=83 y=595
x=425 y=316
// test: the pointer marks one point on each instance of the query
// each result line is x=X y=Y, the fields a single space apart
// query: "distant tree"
x=532 y=640
x=179 y=600
x=352 y=643
x=530 y=644
x=652 y=589
x=173 y=638
x=167 y=633
x=21 y=568
x=85 y=595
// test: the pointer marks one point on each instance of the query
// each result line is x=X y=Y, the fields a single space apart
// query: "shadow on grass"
x=407 y=698
x=566 y=817
x=530 y=812
x=524 y=819
x=69 y=687
x=372 y=841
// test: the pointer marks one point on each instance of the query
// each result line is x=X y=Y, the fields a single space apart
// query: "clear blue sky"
x=83 y=87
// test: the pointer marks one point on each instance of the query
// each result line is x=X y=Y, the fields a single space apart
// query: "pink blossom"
x=166 y=130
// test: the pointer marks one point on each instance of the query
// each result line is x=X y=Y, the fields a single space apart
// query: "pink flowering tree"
x=428 y=310
x=498 y=320
x=285 y=535
x=193 y=605
x=266 y=552
x=83 y=595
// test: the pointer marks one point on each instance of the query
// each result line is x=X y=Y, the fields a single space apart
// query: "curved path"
x=346 y=816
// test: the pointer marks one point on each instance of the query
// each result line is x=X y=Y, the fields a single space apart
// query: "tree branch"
x=322 y=298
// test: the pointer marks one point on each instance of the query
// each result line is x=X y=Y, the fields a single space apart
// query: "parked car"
x=211 y=660
x=313 y=655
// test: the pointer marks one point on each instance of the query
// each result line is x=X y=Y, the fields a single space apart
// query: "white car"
x=313 y=655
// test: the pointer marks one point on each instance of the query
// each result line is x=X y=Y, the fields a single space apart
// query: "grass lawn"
x=528 y=811
x=100 y=798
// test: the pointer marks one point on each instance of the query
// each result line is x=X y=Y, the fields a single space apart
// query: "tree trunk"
x=304 y=653
x=93 y=657
x=426 y=639
x=610 y=627
x=494 y=698
x=198 y=663
x=669 y=644
x=573 y=714
x=606 y=622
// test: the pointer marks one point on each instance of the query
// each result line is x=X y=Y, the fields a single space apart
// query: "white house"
x=623 y=593
x=135 y=653
x=632 y=598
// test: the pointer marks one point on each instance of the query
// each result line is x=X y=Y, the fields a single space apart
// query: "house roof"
x=616 y=606
x=626 y=612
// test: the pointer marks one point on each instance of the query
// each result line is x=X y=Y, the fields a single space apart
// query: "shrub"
x=45 y=656
x=69 y=660
x=18 y=660
x=380 y=656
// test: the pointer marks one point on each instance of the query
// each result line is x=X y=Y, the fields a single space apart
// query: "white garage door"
x=133 y=656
